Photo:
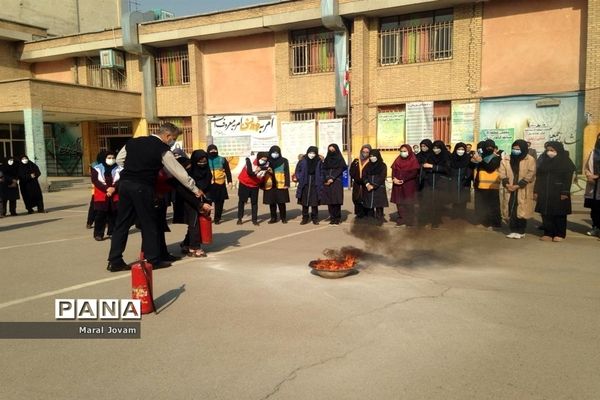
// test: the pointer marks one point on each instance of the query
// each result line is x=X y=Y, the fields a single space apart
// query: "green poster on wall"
x=390 y=129
x=504 y=138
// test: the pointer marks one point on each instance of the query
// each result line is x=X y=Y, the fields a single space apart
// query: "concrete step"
x=65 y=183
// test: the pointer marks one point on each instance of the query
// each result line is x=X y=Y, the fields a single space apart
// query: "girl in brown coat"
x=517 y=175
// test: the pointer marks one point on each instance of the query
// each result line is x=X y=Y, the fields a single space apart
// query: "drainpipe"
x=331 y=19
x=131 y=43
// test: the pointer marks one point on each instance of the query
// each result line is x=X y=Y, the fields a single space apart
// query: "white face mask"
x=551 y=154
x=311 y=155
x=437 y=151
x=480 y=151
x=460 y=153
x=110 y=161
x=373 y=159
x=24 y=161
x=11 y=162
x=404 y=154
x=274 y=155
x=262 y=162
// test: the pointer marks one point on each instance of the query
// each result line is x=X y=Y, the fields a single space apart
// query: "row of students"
x=436 y=179
x=23 y=175
x=319 y=182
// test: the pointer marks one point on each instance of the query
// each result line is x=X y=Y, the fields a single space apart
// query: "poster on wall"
x=296 y=138
x=562 y=114
x=537 y=135
x=419 y=121
x=463 y=123
x=330 y=131
x=239 y=135
x=503 y=138
x=390 y=129
x=264 y=134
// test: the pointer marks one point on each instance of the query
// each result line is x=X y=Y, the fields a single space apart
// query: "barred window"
x=416 y=38
x=108 y=78
x=306 y=115
x=311 y=51
x=172 y=67
x=183 y=123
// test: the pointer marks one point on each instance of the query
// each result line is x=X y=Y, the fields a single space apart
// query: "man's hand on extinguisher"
x=207 y=208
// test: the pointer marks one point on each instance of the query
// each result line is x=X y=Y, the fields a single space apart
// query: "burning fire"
x=334 y=265
x=341 y=260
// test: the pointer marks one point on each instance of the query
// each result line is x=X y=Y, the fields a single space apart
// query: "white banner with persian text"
x=296 y=138
x=330 y=131
x=240 y=135
x=419 y=121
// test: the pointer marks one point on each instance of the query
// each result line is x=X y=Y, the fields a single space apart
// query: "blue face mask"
x=515 y=152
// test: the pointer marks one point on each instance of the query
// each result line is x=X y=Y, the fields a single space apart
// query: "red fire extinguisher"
x=205 y=226
x=141 y=284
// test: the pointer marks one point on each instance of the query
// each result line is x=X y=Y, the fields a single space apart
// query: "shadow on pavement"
x=222 y=241
x=65 y=207
x=165 y=300
x=27 y=224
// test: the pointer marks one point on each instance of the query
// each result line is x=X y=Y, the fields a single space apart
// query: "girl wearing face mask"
x=553 y=191
x=310 y=184
x=221 y=177
x=592 y=189
x=461 y=175
x=405 y=172
x=10 y=187
x=31 y=191
x=374 y=192
x=357 y=174
x=202 y=175
x=487 y=185
x=252 y=176
x=276 y=186
x=105 y=176
x=426 y=145
x=436 y=181
x=517 y=175
x=333 y=190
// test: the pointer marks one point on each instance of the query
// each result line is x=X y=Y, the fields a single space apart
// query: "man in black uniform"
x=142 y=159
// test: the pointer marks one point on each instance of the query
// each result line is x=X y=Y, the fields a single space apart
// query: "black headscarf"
x=312 y=164
x=423 y=156
x=275 y=162
x=101 y=159
x=375 y=168
x=201 y=175
x=364 y=146
x=25 y=170
x=488 y=147
x=457 y=161
x=515 y=160
x=443 y=157
x=11 y=170
x=334 y=160
x=560 y=163
x=212 y=147
x=597 y=156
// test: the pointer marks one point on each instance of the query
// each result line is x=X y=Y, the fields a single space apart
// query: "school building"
x=393 y=72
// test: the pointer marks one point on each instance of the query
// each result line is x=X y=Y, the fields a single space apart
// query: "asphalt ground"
x=454 y=313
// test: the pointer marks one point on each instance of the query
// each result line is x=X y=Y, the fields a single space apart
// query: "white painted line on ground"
x=122 y=276
x=46 y=242
x=60 y=291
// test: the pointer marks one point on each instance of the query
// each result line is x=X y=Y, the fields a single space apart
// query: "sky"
x=190 y=7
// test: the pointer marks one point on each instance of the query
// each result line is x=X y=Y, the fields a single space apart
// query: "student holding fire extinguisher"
x=201 y=173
